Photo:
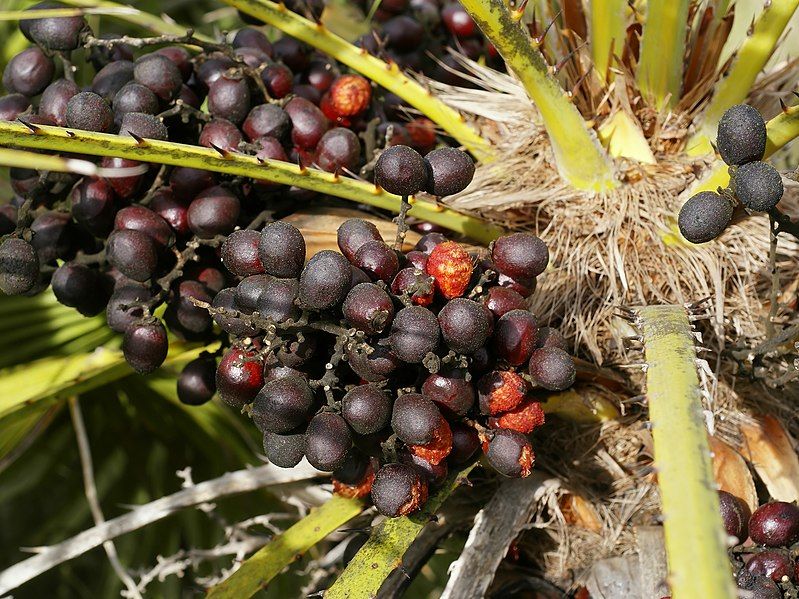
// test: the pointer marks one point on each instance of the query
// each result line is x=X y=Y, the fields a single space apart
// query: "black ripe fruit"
x=368 y=308
x=704 y=217
x=240 y=253
x=214 y=211
x=450 y=171
x=19 y=266
x=282 y=405
x=197 y=381
x=521 y=256
x=54 y=100
x=450 y=390
x=278 y=300
x=80 y=287
x=282 y=250
x=88 y=111
x=327 y=441
x=515 y=336
x=353 y=233
x=464 y=325
x=133 y=253
x=285 y=451
x=28 y=73
x=510 y=453
x=325 y=281
x=378 y=260
x=775 y=524
x=735 y=515
x=366 y=408
x=741 y=135
x=758 y=186
x=145 y=346
x=415 y=419
x=398 y=490
x=552 y=368
x=414 y=333
x=229 y=98
x=401 y=170
x=160 y=74
x=139 y=124
x=55 y=33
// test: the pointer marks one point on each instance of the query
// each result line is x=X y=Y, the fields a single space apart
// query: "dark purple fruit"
x=515 y=335
x=434 y=474
x=240 y=253
x=758 y=186
x=429 y=241
x=13 y=105
x=88 y=111
x=378 y=260
x=501 y=300
x=226 y=299
x=53 y=236
x=282 y=250
x=458 y=21
x=278 y=301
x=249 y=37
x=285 y=451
x=735 y=515
x=81 y=287
x=8 y=219
x=368 y=308
x=124 y=308
x=172 y=210
x=375 y=366
x=758 y=587
x=450 y=390
x=239 y=377
x=112 y=78
x=56 y=33
x=184 y=316
x=338 y=150
x=220 y=134
x=510 y=453
x=160 y=74
x=266 y=119
x=186 y=182
x=93 y=206
x=124 y=187
x=401 y=170
x=704 y=217
x=741 y=135
x=353 y=233
x=278 y=79
x=145 y=346
x=54 y=100
x=450 y=171
x=367 y=409
x=521 y=256
x=181 y=57
x=773 y=563
x=197 y=381
x=28 y=73
x=554 y=370
x=308 y=123
x=229 y=98
x=133 y=253
x=775 y=524
x=549 y=337
x=144 y=220
x=465 y=443
x=249 y=291
x=282 y=405
x=398 y=490
x=414 y=333
x=415 y=419
x=213 y=67
x=139 y=124
x=403 y=33
x=214 y=211
x=325 y=281
x=19 y=266
x=327 y=441
x=134 y=97
x=293 y=53
x=464 y=325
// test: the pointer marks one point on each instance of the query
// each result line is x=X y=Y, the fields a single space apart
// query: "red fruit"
x=350 y=95
x=239 y=377
x=451 y=268
x=501 y=391
x=438 y=449
x=422 y=132
x=525 y=418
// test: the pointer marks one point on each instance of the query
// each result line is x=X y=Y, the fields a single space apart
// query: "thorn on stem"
x=222 y=151
x=33 y=128
x=139 y=140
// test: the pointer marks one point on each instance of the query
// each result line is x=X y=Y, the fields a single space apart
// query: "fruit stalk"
x=691 y=519
x=161 y=152
x=388 y=75
x=608 y=19
x=660 y=68
x=579 y=157
x=750 y=59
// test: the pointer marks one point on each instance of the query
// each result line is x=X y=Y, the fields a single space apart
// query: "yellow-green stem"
x=780 y=131
x=608 y=30
x=385 y=74
x=161 y=152
x=579 y=157
x=660 y=68
x=20 y=15
x=749 y=62
x=691 y=518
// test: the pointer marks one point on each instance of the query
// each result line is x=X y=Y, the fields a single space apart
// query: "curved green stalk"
x=382 y=553
x=695 y=537
x=579 y=157
x=608 y=30
x=161 y=152
x=258 y=570
x=41 y=13
x=749 y=62
x=385 y=74
x=660 y=68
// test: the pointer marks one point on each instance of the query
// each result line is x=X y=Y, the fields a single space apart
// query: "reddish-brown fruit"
x=350 y=95
x=451 y=268
x=501 y=391
x=422 y=132
x=525 y=418
x=438 y=449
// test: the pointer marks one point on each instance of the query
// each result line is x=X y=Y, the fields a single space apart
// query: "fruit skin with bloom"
x=451 y=268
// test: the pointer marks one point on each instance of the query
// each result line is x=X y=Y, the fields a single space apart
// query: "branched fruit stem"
x=750 y=59
x=161 y=152
x=691 y=519
x=660 y=69
x=388 y=75
x=578 y=155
